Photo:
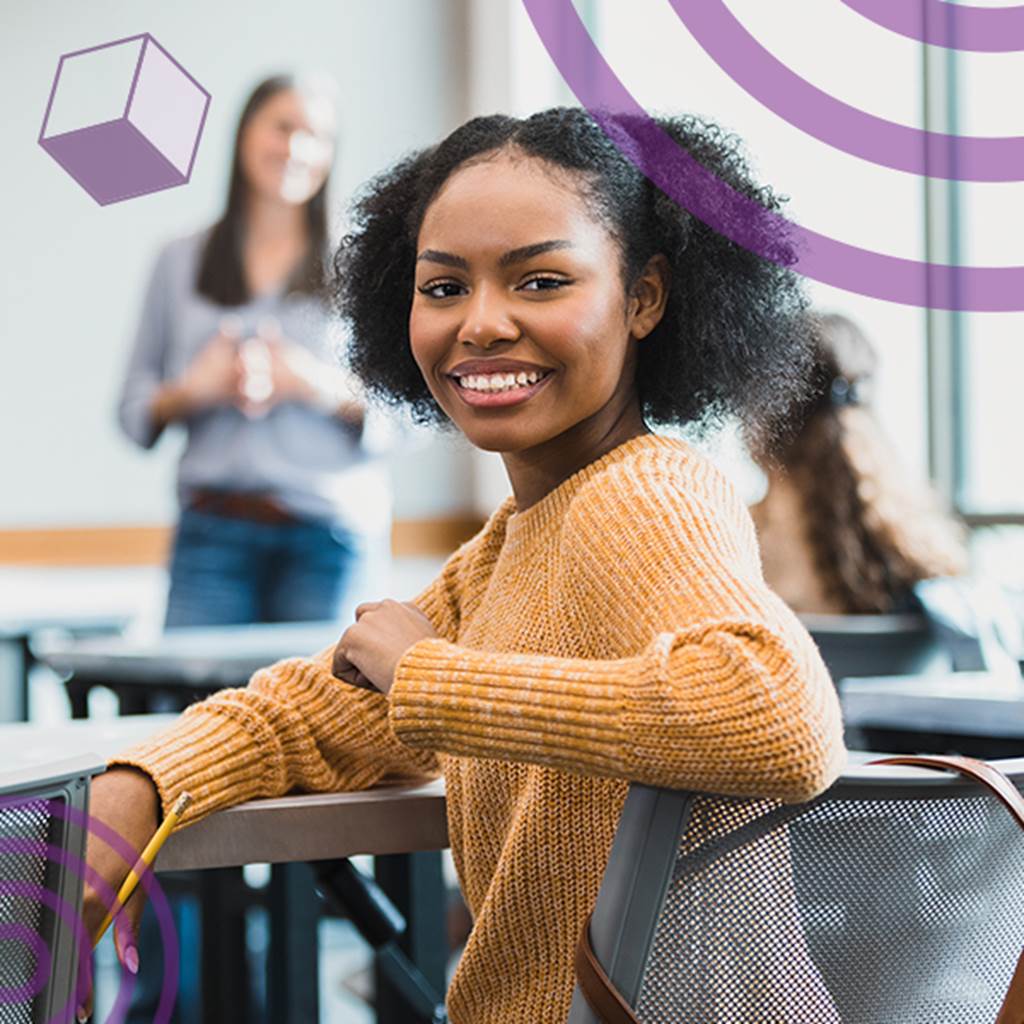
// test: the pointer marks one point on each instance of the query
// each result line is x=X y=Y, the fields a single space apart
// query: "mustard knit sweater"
x=618 y=629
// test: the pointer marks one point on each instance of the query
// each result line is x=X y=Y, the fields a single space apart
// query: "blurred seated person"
x=843 y=527
x=280 y=489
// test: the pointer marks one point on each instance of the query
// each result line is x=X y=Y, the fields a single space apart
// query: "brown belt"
x=250 y=505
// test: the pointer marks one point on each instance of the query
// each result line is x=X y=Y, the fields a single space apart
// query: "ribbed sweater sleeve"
x=728 y=694
x=293 y=727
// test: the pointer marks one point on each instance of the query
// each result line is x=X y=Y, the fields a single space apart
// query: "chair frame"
x=67 y=782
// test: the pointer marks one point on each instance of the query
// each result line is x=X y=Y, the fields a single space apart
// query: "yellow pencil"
x=145 y=860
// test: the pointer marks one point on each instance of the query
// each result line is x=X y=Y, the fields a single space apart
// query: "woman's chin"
x=501 y=438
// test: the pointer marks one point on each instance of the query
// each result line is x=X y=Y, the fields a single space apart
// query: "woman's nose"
x=487 y=318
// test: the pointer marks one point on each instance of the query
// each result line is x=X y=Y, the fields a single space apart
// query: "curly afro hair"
x=734 y=340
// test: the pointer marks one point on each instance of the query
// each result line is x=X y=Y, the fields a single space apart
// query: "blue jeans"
x=227 y=572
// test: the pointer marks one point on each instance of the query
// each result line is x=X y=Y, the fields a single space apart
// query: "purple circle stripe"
x=950 y=25
x=678 y=175
x=805 y=106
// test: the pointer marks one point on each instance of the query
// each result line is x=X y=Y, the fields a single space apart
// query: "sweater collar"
x=543 y=515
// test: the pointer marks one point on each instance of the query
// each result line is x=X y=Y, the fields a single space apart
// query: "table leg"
x=78 y=696
x=293 y=988
x=225 y=977
x=15 y=663
x=415 y=883
x=132 y=700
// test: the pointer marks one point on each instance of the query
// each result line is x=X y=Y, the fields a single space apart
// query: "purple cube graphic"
x=124 y=119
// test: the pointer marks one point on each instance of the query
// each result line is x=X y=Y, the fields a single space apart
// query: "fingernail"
x=80 y=1015
x=131 y=959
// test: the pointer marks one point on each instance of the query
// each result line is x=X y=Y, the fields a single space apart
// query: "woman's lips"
x=493 y=399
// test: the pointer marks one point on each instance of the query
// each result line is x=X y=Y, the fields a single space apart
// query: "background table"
x=76 y=601
x=171 y=669
x=972 y=713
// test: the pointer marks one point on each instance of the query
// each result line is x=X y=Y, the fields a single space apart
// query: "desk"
x=179 y=665
x=305 y=827
x=79 y=601
x=294 y=829
x=973 y=712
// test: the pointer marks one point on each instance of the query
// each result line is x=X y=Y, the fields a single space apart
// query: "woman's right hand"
x=214 y=377
x=127 y=801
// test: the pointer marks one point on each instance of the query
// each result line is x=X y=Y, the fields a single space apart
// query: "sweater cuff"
x=245 y=769
x=513 y=706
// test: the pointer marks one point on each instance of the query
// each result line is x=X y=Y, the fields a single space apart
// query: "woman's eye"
x=441 y=289
x=544 y=284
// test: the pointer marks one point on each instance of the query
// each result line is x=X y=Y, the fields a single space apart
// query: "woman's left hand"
x=370 y=649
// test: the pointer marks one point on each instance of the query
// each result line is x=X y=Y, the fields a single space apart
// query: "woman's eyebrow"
x=519 y=255
x=527 y=252
x=446 y=258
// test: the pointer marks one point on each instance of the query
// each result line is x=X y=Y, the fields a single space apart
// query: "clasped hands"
x=257 y=373
x=370 y=649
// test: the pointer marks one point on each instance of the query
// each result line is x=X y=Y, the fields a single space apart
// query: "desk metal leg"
x=78 y=696
x=131 y=700
x=293 y=989
x=415 y=883
x=15 y=664
x=225 y=977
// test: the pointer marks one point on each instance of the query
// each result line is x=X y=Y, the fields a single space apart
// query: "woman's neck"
x=273 y=222
x=538 y=471
x=276 y=239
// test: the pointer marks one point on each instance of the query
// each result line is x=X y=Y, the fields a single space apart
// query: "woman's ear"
x=648 y=296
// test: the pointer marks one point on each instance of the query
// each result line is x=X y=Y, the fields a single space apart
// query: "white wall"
x=71 y=272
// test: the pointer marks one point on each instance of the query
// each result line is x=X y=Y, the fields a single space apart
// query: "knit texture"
x=618 y=629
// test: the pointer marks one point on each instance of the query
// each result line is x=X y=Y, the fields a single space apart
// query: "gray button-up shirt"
x=315 y=464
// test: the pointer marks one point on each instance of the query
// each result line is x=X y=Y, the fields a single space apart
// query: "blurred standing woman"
x=277 y=482
x=843 y=529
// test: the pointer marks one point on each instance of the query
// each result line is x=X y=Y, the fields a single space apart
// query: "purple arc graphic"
x=149 y=884
x=953 y=26
x=816 y=113
x=679 y=176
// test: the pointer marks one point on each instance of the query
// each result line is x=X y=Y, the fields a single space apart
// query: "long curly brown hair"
x=874 y=533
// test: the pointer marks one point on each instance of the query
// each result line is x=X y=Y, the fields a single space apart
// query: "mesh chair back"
x=895 y=898
x=41 y=839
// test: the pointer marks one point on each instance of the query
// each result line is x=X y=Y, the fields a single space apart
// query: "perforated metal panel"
x=860 y=911
x=25 y=830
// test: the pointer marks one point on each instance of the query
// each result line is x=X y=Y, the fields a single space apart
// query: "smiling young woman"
x=524 y=285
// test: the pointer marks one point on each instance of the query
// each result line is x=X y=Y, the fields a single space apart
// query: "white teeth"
x=499 y=381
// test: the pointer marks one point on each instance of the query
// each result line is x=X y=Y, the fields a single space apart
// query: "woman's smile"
x=491 y=391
